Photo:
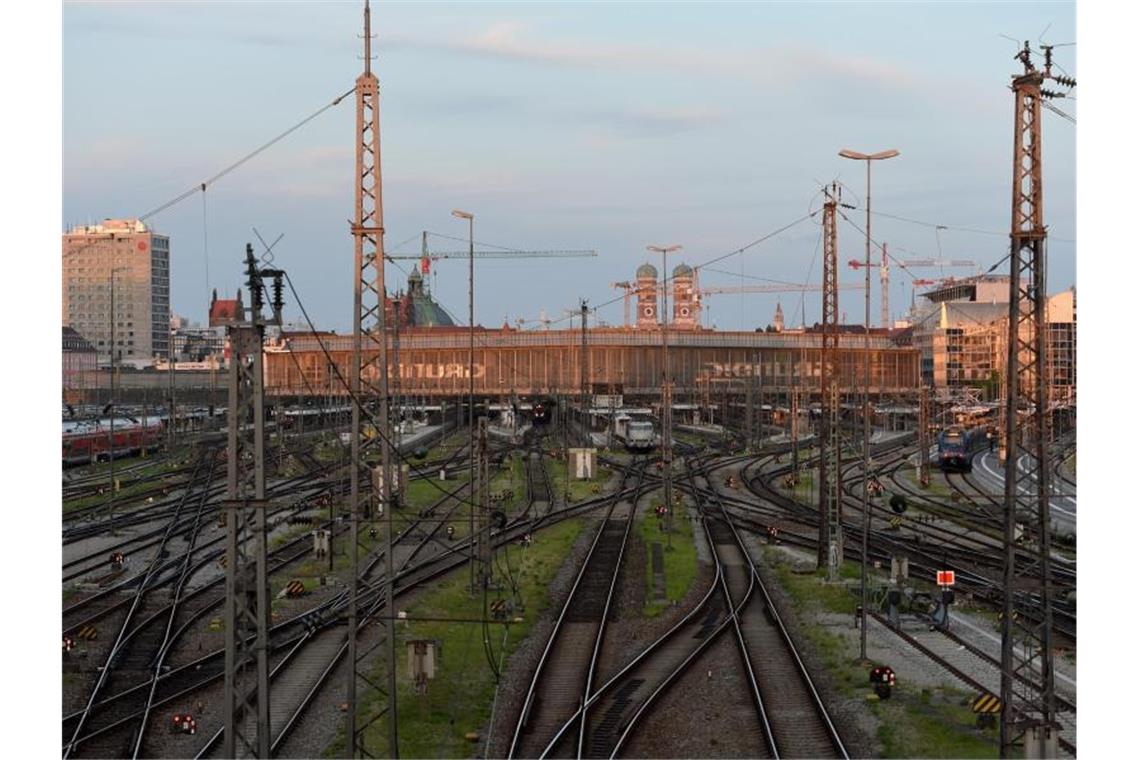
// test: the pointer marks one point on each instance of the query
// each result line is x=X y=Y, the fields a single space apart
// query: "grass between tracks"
x=680 y=563
x=931 y=723
x=579 y=490
x=459 y=698
x=914 y=722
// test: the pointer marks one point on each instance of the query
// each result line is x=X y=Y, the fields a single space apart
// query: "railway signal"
x=882 y=678
x=183 y=723
x=898 y=503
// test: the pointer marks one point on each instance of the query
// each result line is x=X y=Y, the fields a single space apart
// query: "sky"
x=587 y=126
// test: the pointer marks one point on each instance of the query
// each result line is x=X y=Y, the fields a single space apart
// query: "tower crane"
x=426 y=256
x=628 y=289
x=884 y=285
x=913 y=263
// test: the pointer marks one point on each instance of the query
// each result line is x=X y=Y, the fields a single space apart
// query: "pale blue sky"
x=606 y=126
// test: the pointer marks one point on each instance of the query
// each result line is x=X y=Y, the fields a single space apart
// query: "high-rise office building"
x=125 y=260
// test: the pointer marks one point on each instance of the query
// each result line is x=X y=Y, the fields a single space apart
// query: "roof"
x=647 y=270
x=73 y=341
x=682 y=270
x=224 y=311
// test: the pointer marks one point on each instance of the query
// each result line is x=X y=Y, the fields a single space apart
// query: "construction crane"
x=628 y=289
x=786 y=288
x=884 y=285
x=426 y=256
x=922 y=263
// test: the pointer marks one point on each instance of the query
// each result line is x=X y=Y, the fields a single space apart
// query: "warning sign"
x=945 y=577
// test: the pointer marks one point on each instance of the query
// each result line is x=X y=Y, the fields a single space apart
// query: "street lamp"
x=111 y=428
x=868 y=157
x=470 y=372
x=666 y=395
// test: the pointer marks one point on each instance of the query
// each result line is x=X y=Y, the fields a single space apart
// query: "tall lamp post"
x=470 y=373
x=111 y=406
x=868 y=158
x=666 y=395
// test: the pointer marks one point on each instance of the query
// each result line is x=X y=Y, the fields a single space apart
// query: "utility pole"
x=369 y=383
x=586 y=419
x=171 y=417
x=666 y=397
x=884 y=288
x=246 y=695
x=924 y=436
x=830 y=552
x=1028 y=714
x=795 y=410
x=750 y=411
x=481 y=496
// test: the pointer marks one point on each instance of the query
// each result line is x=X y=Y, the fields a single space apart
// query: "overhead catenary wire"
x=381 y=430
x=201 y=187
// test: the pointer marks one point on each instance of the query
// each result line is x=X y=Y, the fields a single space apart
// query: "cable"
x=955 y=228
x=203 y=185
x=666 y=279
x=205 y=249
x=380 y=429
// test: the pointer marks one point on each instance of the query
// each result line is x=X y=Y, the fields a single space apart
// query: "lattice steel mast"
x=369 y=384
x=830 y=552
x=246 y=693
x=1028 y=714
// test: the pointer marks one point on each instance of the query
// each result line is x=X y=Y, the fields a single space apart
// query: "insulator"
x=278 y=293
x=255 y=290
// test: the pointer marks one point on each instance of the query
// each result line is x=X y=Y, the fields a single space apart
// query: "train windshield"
x=641 y=427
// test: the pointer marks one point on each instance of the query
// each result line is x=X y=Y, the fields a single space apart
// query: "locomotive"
x=957 y=446
x=541 y=412
x=638 y=435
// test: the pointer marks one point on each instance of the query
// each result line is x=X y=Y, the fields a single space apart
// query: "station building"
x=434 y=355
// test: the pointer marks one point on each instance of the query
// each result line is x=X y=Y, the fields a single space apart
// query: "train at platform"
x=957 y=445
x=638 y=436
x=89 y=441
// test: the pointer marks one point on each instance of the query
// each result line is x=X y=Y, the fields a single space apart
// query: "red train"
x=90 y=440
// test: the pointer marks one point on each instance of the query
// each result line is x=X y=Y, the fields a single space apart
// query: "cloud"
x=776 y=65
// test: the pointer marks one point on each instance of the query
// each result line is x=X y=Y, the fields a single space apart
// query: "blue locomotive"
x=957 y=446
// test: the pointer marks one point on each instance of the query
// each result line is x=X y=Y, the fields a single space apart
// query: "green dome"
x=683 y=270
x=647 y=271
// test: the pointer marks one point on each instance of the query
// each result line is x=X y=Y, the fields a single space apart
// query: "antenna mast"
x=369 y=384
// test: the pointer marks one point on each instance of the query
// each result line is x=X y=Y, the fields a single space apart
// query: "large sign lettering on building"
x=718 y=370
x=442 y=371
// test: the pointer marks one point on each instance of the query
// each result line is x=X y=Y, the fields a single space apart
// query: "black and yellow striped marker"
x=294 y=588
x=88 y=633
x=986 y=704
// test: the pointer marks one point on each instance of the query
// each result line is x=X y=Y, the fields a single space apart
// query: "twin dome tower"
x=686 y=298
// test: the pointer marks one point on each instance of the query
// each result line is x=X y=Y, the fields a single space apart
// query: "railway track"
x=121 y=710
x=566 y=669
x=734 y=607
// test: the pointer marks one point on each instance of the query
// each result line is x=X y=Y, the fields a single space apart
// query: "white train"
x=637 y=435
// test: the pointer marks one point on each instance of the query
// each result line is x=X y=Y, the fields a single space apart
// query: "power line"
x=201 y=187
